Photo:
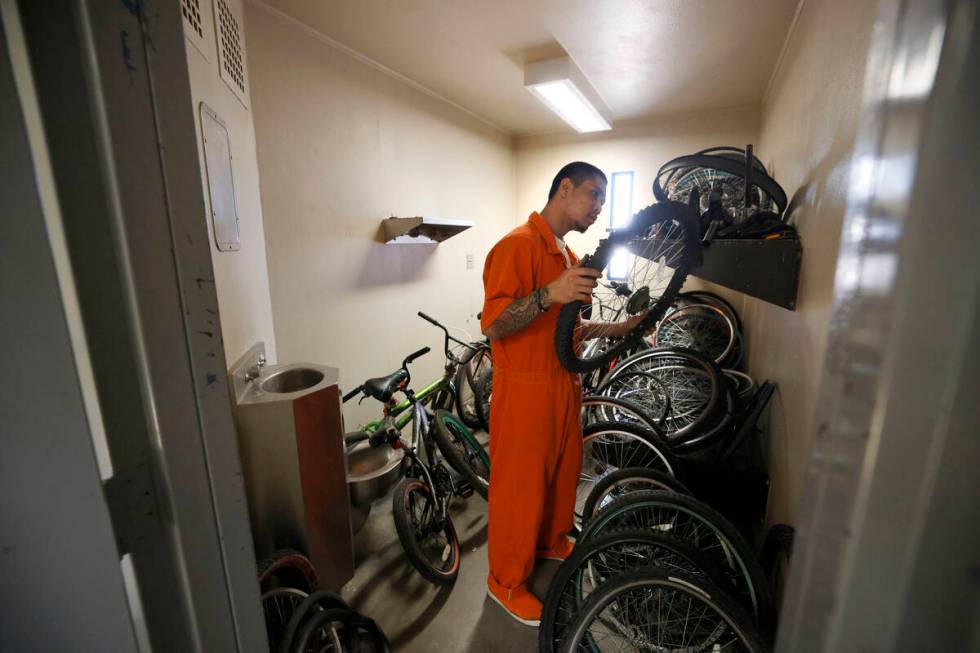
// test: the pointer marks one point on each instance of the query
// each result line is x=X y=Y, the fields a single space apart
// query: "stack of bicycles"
x=667 y=412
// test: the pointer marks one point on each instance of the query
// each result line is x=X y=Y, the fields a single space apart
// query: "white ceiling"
x=644 y=57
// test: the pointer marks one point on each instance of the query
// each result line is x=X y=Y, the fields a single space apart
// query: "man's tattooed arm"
x=518 y=315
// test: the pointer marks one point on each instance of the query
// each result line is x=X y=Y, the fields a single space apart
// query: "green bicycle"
x=457 y=444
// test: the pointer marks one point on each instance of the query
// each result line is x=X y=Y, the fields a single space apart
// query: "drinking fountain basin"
x=290 y=380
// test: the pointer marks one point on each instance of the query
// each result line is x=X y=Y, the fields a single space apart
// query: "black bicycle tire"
x=565 y=345
x=660 y=416
x=709 y=297
x=470 y=419
x=481 y=404
x=713 y=434
x=668 y=483
x=714 y=402
x=353 y=623
x=652 y=439
x=324 y=599
x=748 y=568
x=407 y=537
x=444 y=441
x=626 y=406
x=290 y=559
x=735 y=616
x=731 y=165
x=581 y=554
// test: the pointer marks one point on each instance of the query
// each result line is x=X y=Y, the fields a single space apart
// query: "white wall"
x=641 y=146
x=241 y=277
x=342 y=145
x=808 y=125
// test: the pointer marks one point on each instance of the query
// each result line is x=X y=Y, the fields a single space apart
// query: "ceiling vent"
x=231 y=50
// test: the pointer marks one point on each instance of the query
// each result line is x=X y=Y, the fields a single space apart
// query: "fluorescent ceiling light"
x=565 y=90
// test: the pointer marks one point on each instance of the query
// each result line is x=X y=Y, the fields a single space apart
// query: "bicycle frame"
x=400 y=410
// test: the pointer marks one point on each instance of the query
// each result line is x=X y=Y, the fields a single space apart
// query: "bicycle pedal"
x=464 y=489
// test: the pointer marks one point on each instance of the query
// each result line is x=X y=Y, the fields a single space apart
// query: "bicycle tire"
x=278 y=607
x=730 y=164
x=608 y=446
x=643 y=223
x=620 y=550
x=321 y=599
x=654 y=400
x=642 y=509
x=479 y=376
x=406 y=530
x=662 y=335
x=648 y=585
x=708 y=297
x=672 y=360
x=465 y=401
x=615 y=406
x=649 y=479
x=462 y=451
x=289 y=568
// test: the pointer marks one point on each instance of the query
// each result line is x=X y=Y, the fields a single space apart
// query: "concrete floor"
x=418 y=616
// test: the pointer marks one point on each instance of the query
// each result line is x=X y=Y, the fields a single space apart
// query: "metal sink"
x=291 y=380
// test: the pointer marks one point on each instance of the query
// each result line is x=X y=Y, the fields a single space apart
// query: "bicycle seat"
x=383 y=387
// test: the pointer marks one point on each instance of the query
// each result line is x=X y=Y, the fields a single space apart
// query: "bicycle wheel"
x=278 y=607
x=315 y=602
x=430 y=543
x=479 y=376
x=608 y=446
x=287 y=568
x=692 y=382
x=597 y=561
x=641 y=388
x=623 y=481
x=462 y=451
x=657 y=609
x=596 y=408
x=698 y=524
x=699 y=327
x=471 y=383
x=706 y=297
x=663 y=246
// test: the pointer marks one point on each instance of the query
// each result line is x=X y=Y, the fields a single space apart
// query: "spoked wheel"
x=278 y=606
x=700 y=327
x=597 y=408
x=430 y=543
x=661 y=245
x=641 y=388
x=287 y=568
x=626 y=480
x=607 y=447
x=699 y=525
x=692 y=382
x=462 y=451
x=597 y=561
x=662 y=610
x=474 y=380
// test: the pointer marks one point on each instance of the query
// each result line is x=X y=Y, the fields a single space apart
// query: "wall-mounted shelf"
x=420 y=230
x=765 y=269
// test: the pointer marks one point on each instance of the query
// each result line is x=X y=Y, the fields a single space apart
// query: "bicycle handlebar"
x=428 y=319
x=418 y=354
x=353 y=393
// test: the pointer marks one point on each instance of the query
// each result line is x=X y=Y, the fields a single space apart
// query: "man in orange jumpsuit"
x=535 y=428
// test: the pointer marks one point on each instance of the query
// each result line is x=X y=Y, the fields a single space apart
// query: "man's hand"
x=573 y=284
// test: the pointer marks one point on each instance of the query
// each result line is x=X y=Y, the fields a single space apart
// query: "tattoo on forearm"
x=515 y=317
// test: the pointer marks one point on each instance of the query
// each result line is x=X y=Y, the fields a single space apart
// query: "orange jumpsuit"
x=535 y=428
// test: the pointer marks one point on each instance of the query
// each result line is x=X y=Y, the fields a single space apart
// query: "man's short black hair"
x=577 y=171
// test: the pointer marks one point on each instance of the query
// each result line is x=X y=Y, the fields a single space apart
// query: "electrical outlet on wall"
x=469 y=261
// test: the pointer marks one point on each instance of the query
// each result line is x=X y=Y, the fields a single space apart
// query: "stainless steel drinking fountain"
x=291 y=440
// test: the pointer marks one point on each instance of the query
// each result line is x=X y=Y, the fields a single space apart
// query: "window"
x=620 y=212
